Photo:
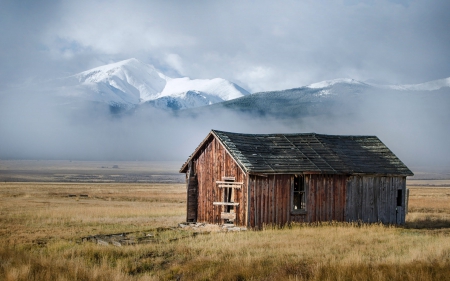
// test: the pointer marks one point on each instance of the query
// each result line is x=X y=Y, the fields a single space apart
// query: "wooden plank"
x=263 y=201
x=330 y=198
x=384 y=202
x=287 y=199
x=392 y=202
x=248 y=203
x=229 y=183
x=230 y=186
x=228 y=216
x=272 y=203
x=322 y=202
x=277 y=196
x=257 y=202
x=308 y=197
x=356 y=198
x=315 y=198
x=371 y=198
x=225 y=204
x=348 y=211
x=102 y=242
x=406 y=201
x=359 y=198
x=267 y=200
x=400 y=216
x=343 y=192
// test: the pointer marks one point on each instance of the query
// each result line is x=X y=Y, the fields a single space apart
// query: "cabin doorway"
x=192 y=195
x=400 y=208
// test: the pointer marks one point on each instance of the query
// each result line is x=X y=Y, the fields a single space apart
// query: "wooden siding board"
x=309 y=202
x=385 y=203
x=392 y=202
x=377 y=198
x=272 y=203
x=330 y=198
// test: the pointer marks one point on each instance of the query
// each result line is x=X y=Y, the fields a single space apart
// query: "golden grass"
x=40 y=227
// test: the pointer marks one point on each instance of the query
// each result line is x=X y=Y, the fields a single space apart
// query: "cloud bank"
x=260 y=46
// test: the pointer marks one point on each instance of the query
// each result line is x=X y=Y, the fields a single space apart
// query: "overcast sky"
x=260 y=45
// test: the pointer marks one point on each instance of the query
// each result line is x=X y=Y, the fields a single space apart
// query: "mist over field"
x=37 y=124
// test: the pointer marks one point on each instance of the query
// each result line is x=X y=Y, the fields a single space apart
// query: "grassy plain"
x=41 y=225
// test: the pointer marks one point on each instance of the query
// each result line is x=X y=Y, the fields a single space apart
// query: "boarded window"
x=298 y=194
x=228 y=187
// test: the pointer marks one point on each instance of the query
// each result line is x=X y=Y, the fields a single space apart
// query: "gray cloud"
x=261 y=46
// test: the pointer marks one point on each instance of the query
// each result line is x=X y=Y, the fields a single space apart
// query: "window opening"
x=299 y=195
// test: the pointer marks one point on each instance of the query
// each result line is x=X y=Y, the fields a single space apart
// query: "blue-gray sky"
x=260 y=45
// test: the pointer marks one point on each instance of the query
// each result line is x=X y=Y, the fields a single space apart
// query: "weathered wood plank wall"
x=374 y=199
x=269 y=200
x=325 y=198
x=212 y=164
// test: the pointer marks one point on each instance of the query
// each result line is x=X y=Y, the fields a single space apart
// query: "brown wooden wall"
x=374 y=199
x=212 y=164
x=325 y=199
x=269 y=200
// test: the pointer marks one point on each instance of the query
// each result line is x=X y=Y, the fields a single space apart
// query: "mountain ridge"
x=129 y=83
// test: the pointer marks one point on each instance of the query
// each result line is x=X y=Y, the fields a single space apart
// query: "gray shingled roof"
x=310 y=153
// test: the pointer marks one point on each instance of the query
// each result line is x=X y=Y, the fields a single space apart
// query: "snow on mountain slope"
x=348 y=82
x=184 y=100
x=427 y=86
x=329 y=83
x=219 y=87
x=131 y=82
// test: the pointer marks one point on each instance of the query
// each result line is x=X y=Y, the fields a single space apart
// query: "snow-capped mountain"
x=128 y=81
x=328 y=97
x=131 y=82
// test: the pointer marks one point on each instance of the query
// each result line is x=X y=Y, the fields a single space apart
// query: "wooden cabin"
x=256 y=179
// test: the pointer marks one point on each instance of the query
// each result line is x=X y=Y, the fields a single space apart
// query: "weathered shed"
x=257 y=179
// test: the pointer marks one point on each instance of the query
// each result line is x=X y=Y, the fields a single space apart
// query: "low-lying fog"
x=37 y=125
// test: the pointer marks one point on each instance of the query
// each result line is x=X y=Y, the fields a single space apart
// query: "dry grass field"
x=41 y=226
